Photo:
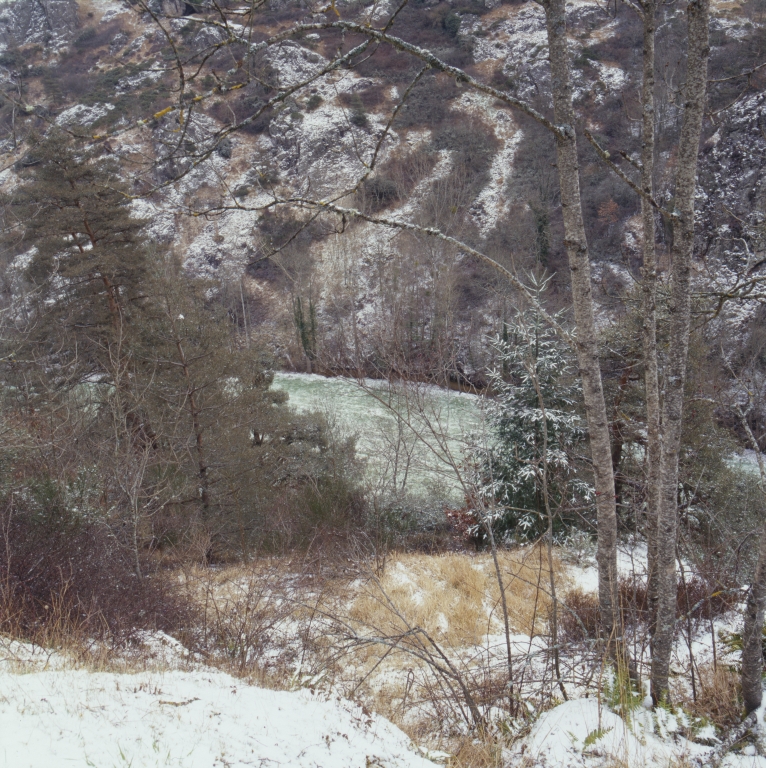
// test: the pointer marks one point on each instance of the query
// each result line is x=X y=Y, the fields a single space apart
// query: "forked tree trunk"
x=695 y=91
x=649 y=306
x=587 y=340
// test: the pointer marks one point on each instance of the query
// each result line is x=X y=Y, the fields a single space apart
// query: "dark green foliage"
x=73 y=215
x=380 y=192
x=149 y=386
x=451 y=24
x=224 y=148
x=86 y=38
x=313 y=102
x=535 y=429
x=330 y=508
x=587 y=56
x=358 y=116
x=543 y=232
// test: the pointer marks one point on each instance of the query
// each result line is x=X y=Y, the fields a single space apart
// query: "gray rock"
x=39 y=21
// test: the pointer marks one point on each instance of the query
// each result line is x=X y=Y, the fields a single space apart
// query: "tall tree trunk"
x=649 y=307
x=695 y=91
x=587 y=340
x=752 y=635
x=195 y=412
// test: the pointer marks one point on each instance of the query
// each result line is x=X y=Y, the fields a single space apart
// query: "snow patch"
x=294 y=64
x=191 y=719
x=146 y=77
x=492 y=202
x=612 y=76
x=80 y=114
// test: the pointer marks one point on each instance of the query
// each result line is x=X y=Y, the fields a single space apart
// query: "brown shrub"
x=579 y=619
x=63 y=576
x=396 y=179
x=719 y=696
x=368 y=98
x=578 y=616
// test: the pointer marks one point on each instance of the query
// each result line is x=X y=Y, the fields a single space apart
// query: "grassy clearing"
x=456 y=597
x=377 y=635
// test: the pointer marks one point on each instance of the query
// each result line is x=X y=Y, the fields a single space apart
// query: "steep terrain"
x=380 y=298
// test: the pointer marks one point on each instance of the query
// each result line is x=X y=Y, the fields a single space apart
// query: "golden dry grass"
x=477 y=753
x=719 y=695
x=456 y=597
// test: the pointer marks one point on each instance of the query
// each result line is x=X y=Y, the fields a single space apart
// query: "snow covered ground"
x=584 y=733
x=205 y=718
x=201 y=718
x=181 y=712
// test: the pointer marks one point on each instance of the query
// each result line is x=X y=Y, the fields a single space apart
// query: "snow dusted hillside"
x=196 y=719
x=453 y=158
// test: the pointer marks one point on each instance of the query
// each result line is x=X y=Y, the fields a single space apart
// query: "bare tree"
x=582 y=299
x=679 y=308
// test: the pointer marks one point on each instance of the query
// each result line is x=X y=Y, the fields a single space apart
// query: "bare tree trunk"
x=695 y=91
x=506 y=619
x=195 y=412
x=587 y=340
x=649 y=307
x=554 y=623
x=752 y=634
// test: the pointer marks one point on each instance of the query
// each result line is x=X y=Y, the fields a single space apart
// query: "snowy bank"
x=585 y=733
x=201 y=718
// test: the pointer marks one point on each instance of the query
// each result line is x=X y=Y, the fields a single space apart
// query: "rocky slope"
x=452 y=157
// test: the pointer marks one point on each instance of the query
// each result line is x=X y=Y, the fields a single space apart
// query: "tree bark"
x=649 y=307
x=752 y=634
x=587 y=340
x=195 y=412
x=695 y=91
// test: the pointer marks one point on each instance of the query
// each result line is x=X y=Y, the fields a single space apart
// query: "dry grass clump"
x=475 y=752
x=456 y=597
x=719 y=695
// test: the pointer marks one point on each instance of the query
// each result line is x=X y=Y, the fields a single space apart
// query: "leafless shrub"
x=67 y=577
x=695 y=600
x=241 y=613
x=580 y=621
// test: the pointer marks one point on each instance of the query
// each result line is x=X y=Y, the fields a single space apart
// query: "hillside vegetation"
x=373 y=360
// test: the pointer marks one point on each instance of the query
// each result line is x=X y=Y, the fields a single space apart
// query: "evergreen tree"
x=233 y=451
x=86 y=255
x=534 y=427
